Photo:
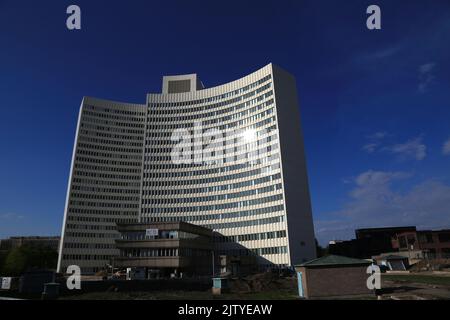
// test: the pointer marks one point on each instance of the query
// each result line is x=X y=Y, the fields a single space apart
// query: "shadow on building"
x=179 y=249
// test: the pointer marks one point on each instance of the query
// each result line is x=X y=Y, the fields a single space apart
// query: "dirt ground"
x=409 y=286
x=413 y=286
x=416 y=286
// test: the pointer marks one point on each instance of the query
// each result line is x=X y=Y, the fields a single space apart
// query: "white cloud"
x=381 y=54
x=373 y=203
x=378 y=135
x=370 y=147
x=426 y=76
x=374 y=141
x=413 y=148
x=375 y=183
x=446 y=147
x=10 y=216
x=427 y=67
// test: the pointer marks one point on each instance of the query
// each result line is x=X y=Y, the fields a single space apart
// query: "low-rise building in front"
x=332 y=276
x=165 y=249
x=176 y=249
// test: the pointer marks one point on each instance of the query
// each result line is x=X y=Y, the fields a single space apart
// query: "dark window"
x=402 y=242
x=411 y=240
x=444 y=237
x=178 y=86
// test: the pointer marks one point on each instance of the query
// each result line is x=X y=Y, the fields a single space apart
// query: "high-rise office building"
x=230 y=158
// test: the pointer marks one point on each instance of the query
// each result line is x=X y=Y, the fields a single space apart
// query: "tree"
x=321 y=251
x=28 y=257
x=3 y=255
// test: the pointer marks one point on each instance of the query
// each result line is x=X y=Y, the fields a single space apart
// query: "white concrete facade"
x=261 y=207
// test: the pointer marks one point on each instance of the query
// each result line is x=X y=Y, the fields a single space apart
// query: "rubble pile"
x=262 y=282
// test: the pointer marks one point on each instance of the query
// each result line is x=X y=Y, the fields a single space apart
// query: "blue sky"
x=375 y=105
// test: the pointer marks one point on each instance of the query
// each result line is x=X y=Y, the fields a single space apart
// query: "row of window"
x=162 y=234
x=271 y=250
x=106 y=113
x=171 y=125
x=231 y=112
x=104 y=204
x=178 y=182
x=251 y=236
x=216 y=206
x=108 y=162
x=163 y=252
x=109 y=155
x=101 y=175
x=97 y=128
x=215 y=216
x=78 y=245
x=219 y=226
x=211 y=189
x=92 y=235
x=108 y=148
x=76 y=195
x=91 y=188
x=110 y=183
x=115 y=110
x=113 y=136
x=74 y=215
x=165 y=106
x=110 y=142
x=229 y=138
x=216 y=153
x=218 y=197
x=94 y=167
x=138 y=123
x=87 y=257
x=91 y=227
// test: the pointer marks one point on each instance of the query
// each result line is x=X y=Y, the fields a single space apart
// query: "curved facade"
x=228 y=157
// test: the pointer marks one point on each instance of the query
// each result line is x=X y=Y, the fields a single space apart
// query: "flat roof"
x=334 y=260
x=177 y=225
x=387 y=228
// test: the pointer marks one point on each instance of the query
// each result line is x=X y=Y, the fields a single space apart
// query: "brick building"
x=371 y=242
x=333 y=275
x=433 y=243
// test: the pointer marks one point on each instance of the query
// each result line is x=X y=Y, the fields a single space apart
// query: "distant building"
x=371 y=242
x=393 y=262
x=16 y=242
x=433 y=243
x=385 y=233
